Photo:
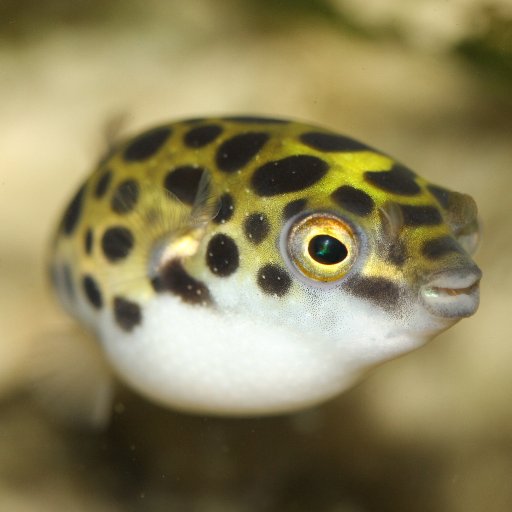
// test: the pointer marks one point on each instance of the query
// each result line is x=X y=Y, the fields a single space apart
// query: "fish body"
x=246 y=266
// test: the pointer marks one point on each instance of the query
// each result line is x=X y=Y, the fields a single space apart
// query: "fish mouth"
x=453 y=293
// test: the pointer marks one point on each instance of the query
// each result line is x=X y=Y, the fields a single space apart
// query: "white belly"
x=196 y=359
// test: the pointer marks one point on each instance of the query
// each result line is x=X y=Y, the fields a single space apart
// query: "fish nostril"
x=461 y=211
x=468 y=237
x=462 y=216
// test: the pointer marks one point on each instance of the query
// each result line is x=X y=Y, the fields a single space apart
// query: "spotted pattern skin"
x=264 y=173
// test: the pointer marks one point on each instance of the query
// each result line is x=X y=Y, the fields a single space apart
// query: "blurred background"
x=428 y=81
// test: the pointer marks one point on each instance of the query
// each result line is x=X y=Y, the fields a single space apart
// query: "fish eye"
x=327 y=250
x=322 y=247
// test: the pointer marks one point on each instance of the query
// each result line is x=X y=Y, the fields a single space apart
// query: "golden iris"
x=322 y=247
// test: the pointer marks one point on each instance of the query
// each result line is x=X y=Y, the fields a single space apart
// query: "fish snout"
x=452 y=293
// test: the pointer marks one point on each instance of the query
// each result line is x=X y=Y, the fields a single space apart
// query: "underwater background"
x=429 y=82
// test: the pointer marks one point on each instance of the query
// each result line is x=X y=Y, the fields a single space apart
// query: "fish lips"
x=453 y=293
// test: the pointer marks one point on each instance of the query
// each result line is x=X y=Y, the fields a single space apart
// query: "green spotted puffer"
x=245 y=265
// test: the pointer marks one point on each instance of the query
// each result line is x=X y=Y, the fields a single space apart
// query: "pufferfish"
x=250 y=266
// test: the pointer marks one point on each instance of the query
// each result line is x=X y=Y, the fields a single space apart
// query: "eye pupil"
x=327 y=250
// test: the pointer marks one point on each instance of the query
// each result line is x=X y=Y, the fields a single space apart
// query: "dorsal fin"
x=113 y=134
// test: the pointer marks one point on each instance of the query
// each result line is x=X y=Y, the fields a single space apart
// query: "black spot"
x=256 y=227
x=146 y=144
x=376 y=289
x=399 y=180
x=92 y=291
x=274 y=280
x=68 y=282
x=127 y=313
x=256 y=120
x=397 y=253
x=174 y=278
x=183 y=182
x=103 y=184
x=236 y=152
x=290 y=174
x=353 y=200
x=332 y=142
x=202 y=135
x=88 y=241
x=73 y=211
x=226 y=211
x=293 y=208
x=117 y=242
x=222 y=255
x=422 y=215
x=125 y=197
x=441 y=194
x=439 y=247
